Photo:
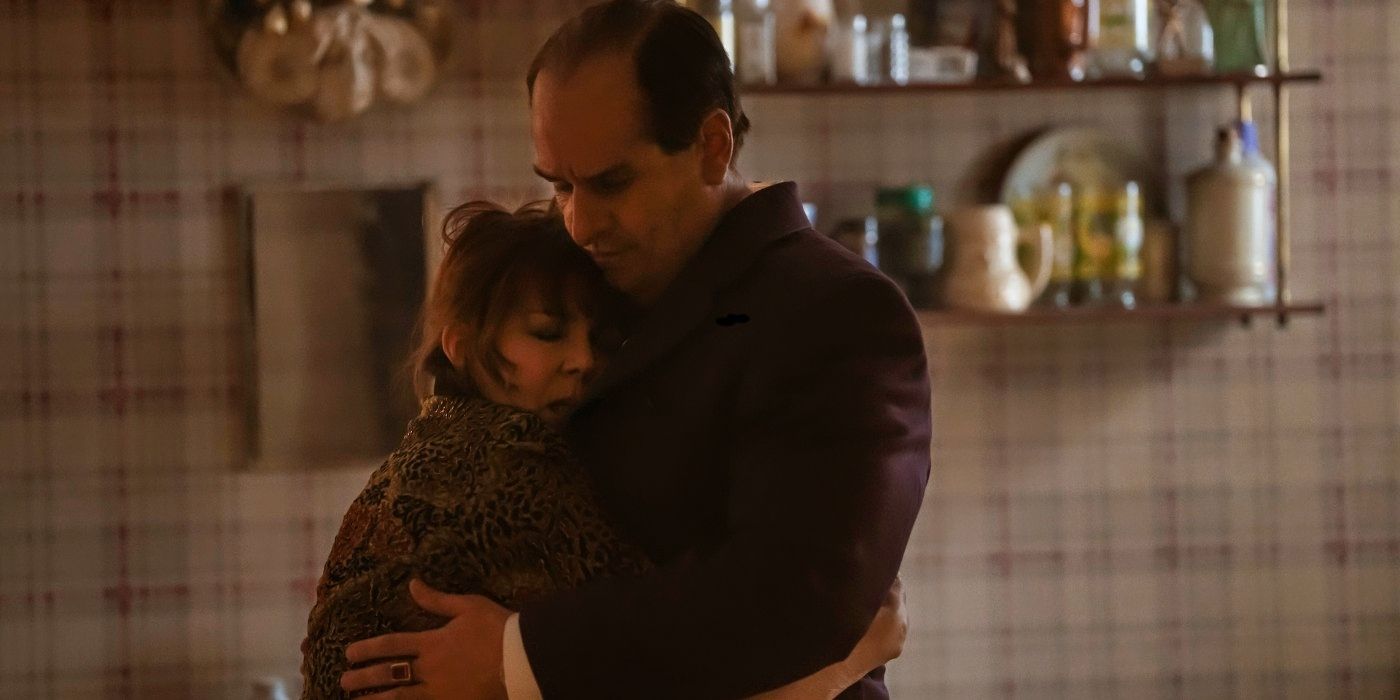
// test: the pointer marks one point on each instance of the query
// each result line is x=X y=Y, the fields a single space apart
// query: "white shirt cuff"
x=515 y=665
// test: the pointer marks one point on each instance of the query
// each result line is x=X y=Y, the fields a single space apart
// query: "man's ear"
x=454 y=344
x=716 y=146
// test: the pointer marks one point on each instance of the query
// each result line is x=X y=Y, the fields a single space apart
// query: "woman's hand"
x=883 y=642
x=884 y=639
x=461 y=659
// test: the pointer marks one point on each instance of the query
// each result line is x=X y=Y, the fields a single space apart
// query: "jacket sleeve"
x=827 y=472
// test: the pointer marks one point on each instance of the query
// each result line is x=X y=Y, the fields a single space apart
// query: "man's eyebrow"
x=612 y=171
x=609 y=173
x=545 y=175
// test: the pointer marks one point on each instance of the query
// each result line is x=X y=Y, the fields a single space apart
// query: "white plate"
x=1084 y=157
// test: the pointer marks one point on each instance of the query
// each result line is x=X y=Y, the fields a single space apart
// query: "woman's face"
x=548 y=358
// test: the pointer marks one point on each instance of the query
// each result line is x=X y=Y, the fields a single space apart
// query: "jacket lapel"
x=688 y=304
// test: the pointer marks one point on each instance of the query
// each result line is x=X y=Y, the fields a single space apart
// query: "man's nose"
x=585 y=218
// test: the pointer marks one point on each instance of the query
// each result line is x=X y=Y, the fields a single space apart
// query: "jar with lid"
x=910 y=244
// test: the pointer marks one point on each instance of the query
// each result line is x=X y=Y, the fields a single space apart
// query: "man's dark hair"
x=680 y=62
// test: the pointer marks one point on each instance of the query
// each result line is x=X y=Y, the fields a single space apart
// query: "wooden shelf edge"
x=1235 y=79
x=1144 y=314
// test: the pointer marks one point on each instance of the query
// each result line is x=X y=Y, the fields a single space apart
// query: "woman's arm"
x=883 y=642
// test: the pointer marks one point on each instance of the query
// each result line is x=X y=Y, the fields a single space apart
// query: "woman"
x=482 y=495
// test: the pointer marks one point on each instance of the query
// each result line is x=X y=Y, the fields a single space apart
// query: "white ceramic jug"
x=983 y=273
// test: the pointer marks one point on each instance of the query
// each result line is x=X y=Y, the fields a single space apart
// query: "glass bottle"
x=898 y=51
x=887 y=41
x=999 y=56
x=1119 y=35
x=1093 y=244
x=1127 y=247
x=1186 y=45
x=757 y=42
x=1241 y=28
x=850 y=56
x=1054 y=35
x=1059 y=213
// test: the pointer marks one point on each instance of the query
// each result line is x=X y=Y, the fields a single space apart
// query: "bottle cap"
x=1249 y=136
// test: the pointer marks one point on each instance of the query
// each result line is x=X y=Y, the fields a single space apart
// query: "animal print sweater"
x=478 y=498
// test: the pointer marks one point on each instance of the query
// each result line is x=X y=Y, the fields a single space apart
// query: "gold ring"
x=401 y=672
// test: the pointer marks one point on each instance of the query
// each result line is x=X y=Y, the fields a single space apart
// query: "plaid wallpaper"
x=1135 y=511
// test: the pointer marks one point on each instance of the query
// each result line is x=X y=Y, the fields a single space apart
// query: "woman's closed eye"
x=548 y=334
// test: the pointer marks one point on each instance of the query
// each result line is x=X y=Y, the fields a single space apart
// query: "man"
x=763 y=432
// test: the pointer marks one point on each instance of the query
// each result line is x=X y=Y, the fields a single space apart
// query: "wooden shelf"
x=1106 y=315
x=1238 y=80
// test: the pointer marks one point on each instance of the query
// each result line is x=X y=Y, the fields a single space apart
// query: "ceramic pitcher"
x=984 y=273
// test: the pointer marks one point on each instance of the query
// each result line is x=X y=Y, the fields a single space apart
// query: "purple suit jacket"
x=764 y=435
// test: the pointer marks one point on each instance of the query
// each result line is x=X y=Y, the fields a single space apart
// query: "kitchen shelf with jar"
x=1149 y=313
x=1122 y=64
x=1237 y=80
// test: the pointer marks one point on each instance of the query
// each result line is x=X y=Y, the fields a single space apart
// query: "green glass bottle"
x=1241 y=35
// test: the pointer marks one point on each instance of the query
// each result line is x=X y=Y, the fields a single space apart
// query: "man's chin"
x=622 y=283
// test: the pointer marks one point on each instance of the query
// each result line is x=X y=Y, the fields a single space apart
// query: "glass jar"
x=1121 y=43
x=1186 y=45
x=910 y=245
x=756 y=42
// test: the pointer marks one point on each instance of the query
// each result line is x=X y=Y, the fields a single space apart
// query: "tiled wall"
x=1131 y=511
